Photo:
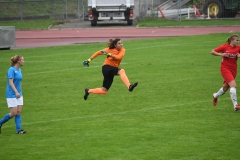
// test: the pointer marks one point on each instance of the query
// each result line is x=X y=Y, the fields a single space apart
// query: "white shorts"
x=14 y=102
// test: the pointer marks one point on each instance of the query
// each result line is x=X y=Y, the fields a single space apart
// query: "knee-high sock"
x=97 y=91
x=220 y=92
x=233 y=96
x=6 y=118
x=124 y=77
x=18 y=122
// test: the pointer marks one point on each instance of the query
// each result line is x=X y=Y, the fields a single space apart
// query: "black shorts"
x=108 y=73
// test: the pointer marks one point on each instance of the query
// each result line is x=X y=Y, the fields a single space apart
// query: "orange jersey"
x=115 y=62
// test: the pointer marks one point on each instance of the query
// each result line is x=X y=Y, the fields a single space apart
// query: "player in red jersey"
x=230 y=52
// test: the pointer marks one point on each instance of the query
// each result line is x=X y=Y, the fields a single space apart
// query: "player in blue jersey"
x=14 y=93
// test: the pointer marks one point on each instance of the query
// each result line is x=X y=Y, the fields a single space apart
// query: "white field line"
x=124 y=113
x=63 y=70
x=134 y=48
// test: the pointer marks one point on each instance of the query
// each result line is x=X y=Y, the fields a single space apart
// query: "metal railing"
x=193 y=9
x=42 y=9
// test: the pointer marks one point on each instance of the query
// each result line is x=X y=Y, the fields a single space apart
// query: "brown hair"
x=15 y=59
x=232 y=38
x=112 y=43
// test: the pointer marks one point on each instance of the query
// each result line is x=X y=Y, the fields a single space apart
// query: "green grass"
x=160 y=22
x=168 y=116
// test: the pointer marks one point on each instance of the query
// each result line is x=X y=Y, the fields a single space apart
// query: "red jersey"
x=231 y=61
x=115 y=62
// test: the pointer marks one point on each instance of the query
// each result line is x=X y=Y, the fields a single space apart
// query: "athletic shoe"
x=214 y=102
x=21 y=132
x=0 y=128
x=86 y=94
x=132 y=86
x=237 y=107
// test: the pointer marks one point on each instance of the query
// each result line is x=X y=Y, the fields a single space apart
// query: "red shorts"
x=228 y=75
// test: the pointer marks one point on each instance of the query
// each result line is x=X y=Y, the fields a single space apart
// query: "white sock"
x=233 y=95
x=219 y=93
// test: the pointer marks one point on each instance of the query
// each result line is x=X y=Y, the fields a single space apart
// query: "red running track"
x=41 y=38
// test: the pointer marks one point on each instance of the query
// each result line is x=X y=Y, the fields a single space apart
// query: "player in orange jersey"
x=230 y=52
x=114 y=54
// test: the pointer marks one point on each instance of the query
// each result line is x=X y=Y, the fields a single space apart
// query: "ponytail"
x=232 y=38
x=15 y=59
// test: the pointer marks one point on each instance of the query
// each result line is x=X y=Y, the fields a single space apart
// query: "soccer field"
x=169 y=115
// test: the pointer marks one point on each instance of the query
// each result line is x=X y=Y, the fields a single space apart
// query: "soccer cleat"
x=237 y=107
x=86 y=94
x=132 y=86
x=0 y=128
x=21 y=132
x=214 y=99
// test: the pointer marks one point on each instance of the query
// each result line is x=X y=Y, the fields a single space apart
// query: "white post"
x=208 y=10
x=188 y=12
